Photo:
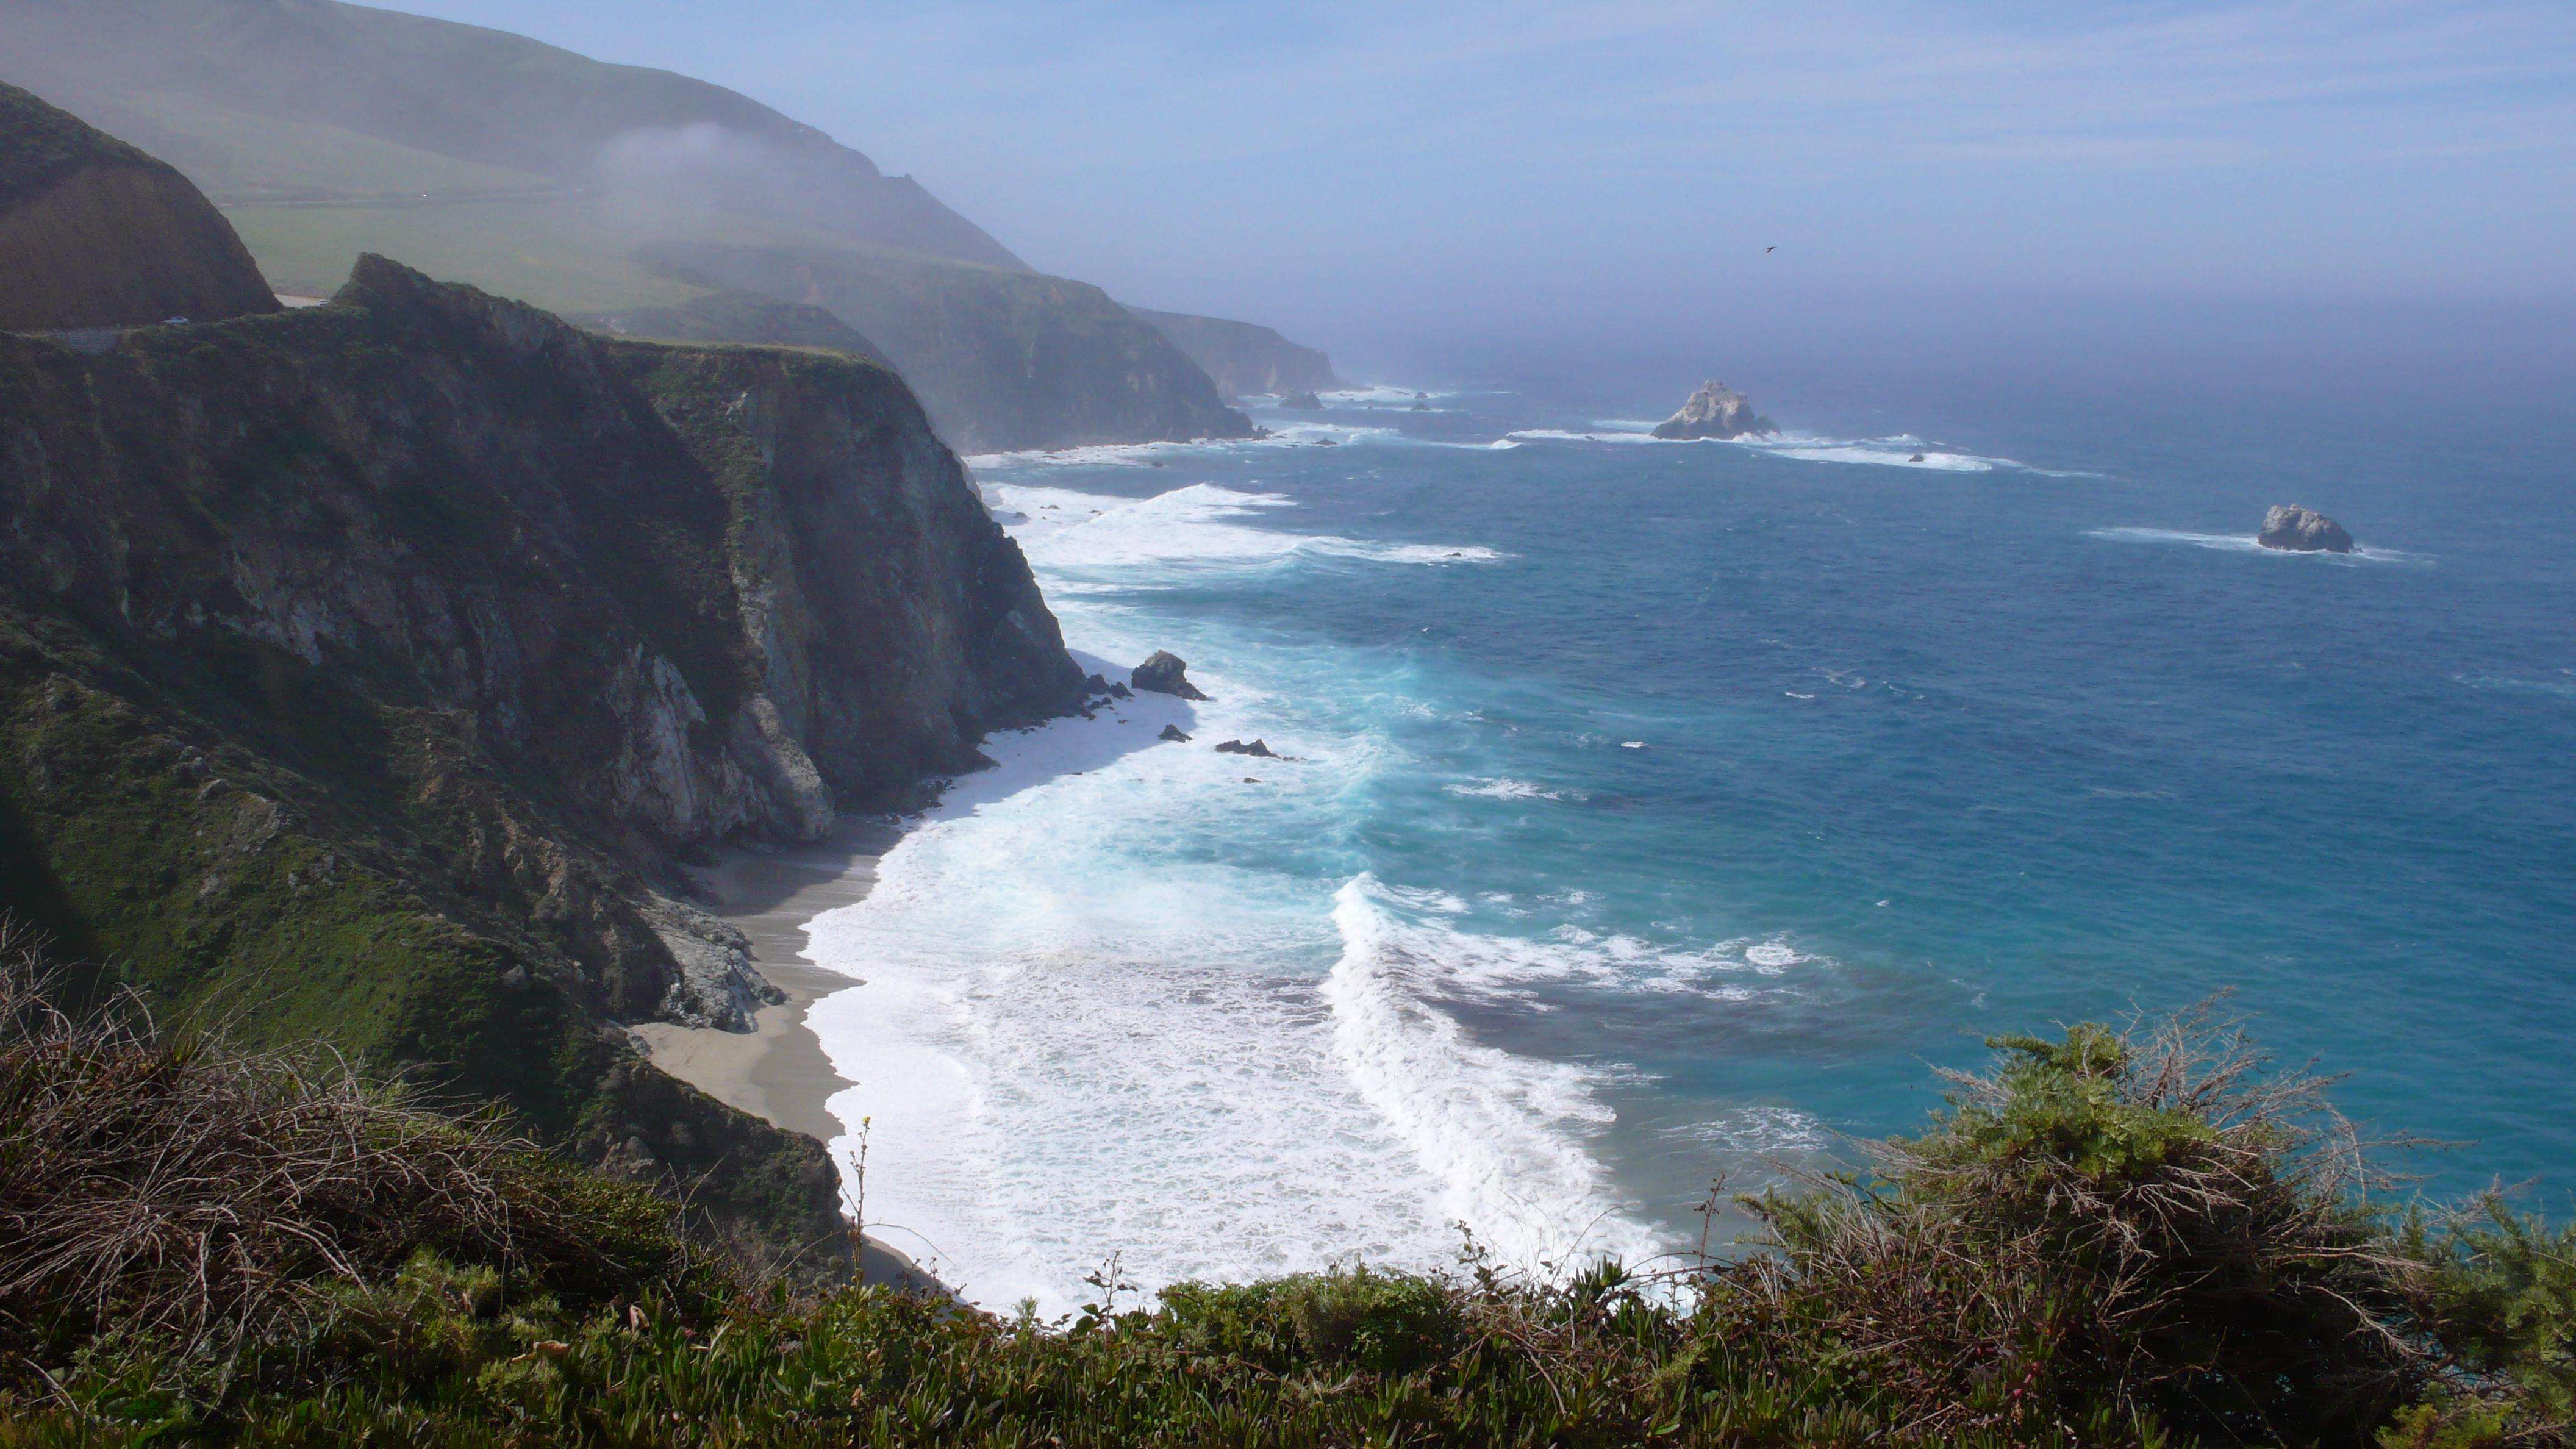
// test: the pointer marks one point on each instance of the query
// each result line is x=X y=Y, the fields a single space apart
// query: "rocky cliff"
x=1001 y=359
x=364 y=669
x=94 y=233
x=2302 y=530
x=1243 y=359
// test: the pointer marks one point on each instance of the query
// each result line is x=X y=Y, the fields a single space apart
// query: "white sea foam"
x=2246 y=543
x=1197 y=527
x=1503 y=1135
x=1120 y=995
x=1505 y=789
x=1901 y=451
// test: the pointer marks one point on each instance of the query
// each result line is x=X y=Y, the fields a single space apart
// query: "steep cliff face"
x=94 y=233
x=1244 y=359
x=363 y=668
x=1001 y=359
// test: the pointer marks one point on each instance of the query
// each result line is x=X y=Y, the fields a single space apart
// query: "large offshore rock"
x=2302 y=530
x=1164 y=672
x=1715 y=411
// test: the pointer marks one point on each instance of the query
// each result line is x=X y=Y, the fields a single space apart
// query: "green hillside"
x=315 y=100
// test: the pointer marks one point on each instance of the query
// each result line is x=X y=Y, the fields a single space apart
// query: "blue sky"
x=1622 y=165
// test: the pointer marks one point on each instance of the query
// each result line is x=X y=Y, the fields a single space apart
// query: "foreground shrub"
x=154 y=1185
x=2132 y=1228
x=2106 y=1239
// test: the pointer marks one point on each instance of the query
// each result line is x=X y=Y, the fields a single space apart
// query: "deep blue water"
x=1710 y=794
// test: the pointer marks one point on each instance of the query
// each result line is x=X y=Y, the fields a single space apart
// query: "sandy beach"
x=779 y=1071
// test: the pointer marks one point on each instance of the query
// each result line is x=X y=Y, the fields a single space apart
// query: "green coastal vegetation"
x=2135 y=1236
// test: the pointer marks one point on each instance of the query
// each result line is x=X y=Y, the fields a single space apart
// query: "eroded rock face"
x=2302 y=530
x=1715 y=411
x=388 y=653
x=1165 y=673
x=94 y=233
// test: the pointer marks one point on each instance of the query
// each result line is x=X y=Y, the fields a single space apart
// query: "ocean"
x=1658 y=815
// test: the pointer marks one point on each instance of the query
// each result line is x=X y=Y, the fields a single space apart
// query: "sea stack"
x=1715 y=411
x=2302 y=530
x=96 y=234
x=1165 y=672
x=1304 y=402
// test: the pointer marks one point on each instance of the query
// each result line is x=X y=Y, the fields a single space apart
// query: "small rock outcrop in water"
x=1304 y=402
x=2302 y=530
x=1173 y=734
x=1165 y=673
x=1238 y=747
x=1715 y=411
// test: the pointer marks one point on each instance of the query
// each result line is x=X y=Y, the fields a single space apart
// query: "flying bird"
x=1766 y=251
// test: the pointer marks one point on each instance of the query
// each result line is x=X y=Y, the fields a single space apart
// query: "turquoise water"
x=1662 y=811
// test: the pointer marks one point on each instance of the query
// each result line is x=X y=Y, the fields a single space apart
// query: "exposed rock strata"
x=94 y=233
x=1715 y=411
x=2302 y=530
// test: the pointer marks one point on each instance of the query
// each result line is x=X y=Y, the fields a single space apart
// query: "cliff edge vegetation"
x=2111 y=1237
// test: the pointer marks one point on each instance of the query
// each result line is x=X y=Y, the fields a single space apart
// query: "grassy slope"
x=258 y=98
x=40 y=144
x=2015 y=1279
x=565 y=256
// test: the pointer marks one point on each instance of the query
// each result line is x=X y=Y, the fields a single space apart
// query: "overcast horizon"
x=1608 y=177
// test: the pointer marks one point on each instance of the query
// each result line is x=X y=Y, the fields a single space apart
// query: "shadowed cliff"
x=94 y=233
x=1002 y=360
x=1244 y=359
x=364 y=669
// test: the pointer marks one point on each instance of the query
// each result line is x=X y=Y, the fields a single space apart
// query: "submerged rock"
x=1165 y=673
x=1174 y=735
x=1715 y=411
x=2302 y=530
x=1238 y=747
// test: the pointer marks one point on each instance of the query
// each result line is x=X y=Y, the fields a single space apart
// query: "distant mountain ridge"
x=243 y=94
x=333 y=129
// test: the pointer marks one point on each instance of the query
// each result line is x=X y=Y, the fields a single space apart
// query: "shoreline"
x=779 y=1071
